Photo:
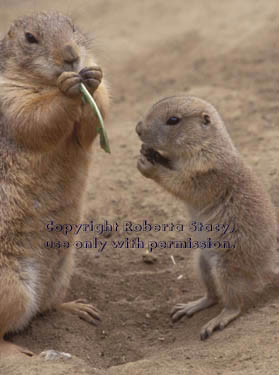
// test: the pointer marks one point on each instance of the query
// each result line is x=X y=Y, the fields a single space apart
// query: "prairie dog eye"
x=173 y=120
x=206 y=119
x=30 y=38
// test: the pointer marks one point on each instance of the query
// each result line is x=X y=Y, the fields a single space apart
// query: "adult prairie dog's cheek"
x=45 y=69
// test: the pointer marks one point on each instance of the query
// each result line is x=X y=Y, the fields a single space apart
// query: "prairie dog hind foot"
x=8 y=349
x=190 y=308
x=220 y=321
x=227 y=315
x=83 y=309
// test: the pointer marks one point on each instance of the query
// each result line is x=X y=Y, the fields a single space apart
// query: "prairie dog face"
x=181 y=125
x=44 y=45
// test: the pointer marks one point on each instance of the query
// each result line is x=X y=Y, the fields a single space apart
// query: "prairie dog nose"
x=71 y=53
x=139 y=128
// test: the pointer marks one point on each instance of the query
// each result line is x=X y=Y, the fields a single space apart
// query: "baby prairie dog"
x=46 y=134
x=187 y=150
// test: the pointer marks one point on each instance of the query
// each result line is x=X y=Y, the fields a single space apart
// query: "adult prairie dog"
x=46 y=133
x=187 y=150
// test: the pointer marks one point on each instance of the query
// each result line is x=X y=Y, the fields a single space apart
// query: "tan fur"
x=204 y=170
x=46 y=134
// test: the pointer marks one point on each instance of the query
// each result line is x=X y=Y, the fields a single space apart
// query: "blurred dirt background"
x=227 y=53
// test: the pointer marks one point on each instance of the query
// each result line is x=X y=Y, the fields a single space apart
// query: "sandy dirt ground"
x=227 y=53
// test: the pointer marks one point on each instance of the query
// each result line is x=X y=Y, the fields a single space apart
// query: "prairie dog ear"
x=11 y=32
x=206 y=120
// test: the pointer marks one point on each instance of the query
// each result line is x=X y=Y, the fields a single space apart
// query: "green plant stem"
x=104 y=142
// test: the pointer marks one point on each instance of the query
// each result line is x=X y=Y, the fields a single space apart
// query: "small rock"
x=149 y=258
x=53 y=355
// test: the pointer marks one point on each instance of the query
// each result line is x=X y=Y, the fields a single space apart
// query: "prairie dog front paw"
x=91 y=77
x=147 y=161
x=69 y=83
x=150 y=160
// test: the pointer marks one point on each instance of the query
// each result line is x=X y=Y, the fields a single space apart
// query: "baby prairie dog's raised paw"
x=150 y=161
x=147 y=161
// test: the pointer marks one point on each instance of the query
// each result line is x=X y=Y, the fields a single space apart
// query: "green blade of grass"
x=104 y=142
